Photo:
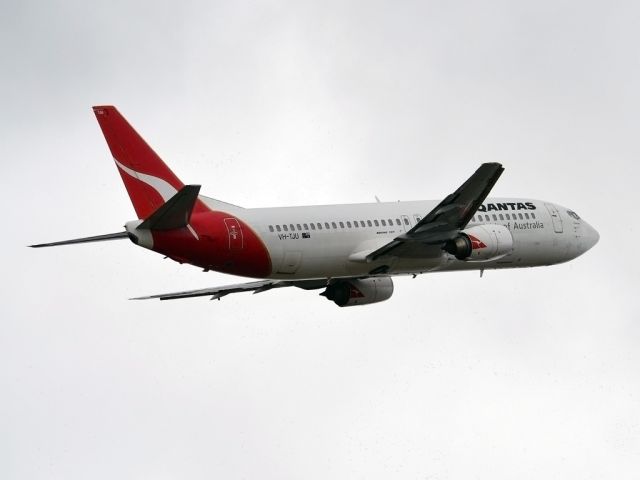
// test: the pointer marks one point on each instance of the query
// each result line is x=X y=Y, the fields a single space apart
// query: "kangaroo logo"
x=476 y=243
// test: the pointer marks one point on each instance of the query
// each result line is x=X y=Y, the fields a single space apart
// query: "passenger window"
x=520 y=215
x=355 y=223
x=369 y=223
x=495 y=219
x=508 y=216
x=390 y=222
x=285 y=228
x=299 y=227
x=362 y=224
x=398 y=222
x=384 y=223
x=526 y=215
x=292 y=227
x=375 y=222
x=406 y=221
x=319 y=226
x=341 y=224
x=313 y=227
x=486 y=217
x=533 y=215
x=333 y=224
x=326 y=225
x=278 y=227
x=500 y=216
x=306 y=227
x=348 y=224
x=271 y=228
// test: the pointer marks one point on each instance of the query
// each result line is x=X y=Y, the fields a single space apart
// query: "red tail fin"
x=149 y=182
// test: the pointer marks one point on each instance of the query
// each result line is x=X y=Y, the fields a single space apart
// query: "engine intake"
x=348 y=293
x=481 y=243
x=460 y=247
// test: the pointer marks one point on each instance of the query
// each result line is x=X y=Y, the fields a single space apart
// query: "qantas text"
x=506 y=206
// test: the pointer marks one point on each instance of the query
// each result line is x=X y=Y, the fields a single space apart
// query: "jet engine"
x=347 y=293
x=481 y=243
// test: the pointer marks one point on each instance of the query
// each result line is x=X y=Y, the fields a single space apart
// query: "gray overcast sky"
x=521 y=374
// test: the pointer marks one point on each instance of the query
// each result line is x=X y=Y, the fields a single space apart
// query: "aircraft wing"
x=445 y=221
x=255 y=287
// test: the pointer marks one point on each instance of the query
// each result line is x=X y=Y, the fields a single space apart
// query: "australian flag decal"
x=306 y=235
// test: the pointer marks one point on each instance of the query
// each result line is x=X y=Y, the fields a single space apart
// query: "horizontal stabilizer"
x=176 y=212
x=98 y=238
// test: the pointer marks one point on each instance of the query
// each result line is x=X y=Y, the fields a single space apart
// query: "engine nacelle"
x=347 y=293
x=481 y=243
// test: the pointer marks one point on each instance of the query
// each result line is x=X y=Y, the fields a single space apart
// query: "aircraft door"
x=555 y=217
x=406 y=223
x=234 y=231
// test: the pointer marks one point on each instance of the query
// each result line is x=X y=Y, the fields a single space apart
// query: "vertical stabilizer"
x=148 y=180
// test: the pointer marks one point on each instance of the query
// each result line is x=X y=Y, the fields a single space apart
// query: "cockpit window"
x=573 y=214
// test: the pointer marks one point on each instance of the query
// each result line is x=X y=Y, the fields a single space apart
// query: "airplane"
x=350 y=252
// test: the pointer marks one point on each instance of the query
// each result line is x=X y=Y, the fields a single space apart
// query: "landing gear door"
x=234 y=231
x=291 y=262
x=555 y=217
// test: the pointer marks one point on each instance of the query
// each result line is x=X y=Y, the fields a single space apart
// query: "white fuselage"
x=332 y=241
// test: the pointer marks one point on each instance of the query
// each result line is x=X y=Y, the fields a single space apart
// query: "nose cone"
x=590 y=237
